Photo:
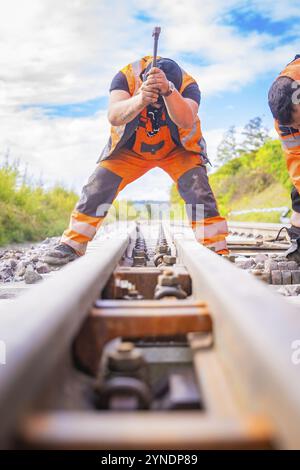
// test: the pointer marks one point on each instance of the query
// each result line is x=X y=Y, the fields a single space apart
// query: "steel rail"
x=255 y=228
x=38 y=327
x=255 y=330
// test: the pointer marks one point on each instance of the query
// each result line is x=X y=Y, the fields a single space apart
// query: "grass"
x=274 y=195
x=254 y=180
x=31 y=213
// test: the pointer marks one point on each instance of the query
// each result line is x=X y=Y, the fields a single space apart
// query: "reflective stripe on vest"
x=191 y=139
x=291 y=138
x=133 y=72
x=292 y=143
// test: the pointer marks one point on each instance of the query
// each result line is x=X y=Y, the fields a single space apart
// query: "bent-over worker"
x=154 y=123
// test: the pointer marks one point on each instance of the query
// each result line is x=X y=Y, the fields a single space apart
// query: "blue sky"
x=72 y=110
x=58 y=59
x=237 y=107
x=248 y=20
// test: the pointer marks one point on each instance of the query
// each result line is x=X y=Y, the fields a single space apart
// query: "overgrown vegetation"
x=254 y=180
x=29 y=213
x=252 y=174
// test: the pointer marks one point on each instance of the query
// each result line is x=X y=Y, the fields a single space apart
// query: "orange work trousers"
x=113 y=174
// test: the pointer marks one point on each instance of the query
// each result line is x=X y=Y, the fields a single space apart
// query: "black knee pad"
x=99 y=192
x=194 y=188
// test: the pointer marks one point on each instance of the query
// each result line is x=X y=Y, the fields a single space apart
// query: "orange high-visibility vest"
x=292 y=70
x=191 y=139
x=158 y=144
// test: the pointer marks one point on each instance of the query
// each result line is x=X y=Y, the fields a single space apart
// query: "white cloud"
x=65 y=150
x=233 y=59
x=213 y=138
x=277 y=11
x=154 y=185
x=61 y=52
x=62 y=149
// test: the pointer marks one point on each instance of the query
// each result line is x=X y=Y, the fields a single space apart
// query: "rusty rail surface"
x=39 y=326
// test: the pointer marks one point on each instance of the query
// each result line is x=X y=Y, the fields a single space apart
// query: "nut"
x=168 y=259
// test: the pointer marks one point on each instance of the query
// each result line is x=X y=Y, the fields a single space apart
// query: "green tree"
x=228 y=148
x=30 y=212
x=255 y=136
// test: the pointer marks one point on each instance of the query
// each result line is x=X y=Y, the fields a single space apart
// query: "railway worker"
x=154 y=123
x=284 y=102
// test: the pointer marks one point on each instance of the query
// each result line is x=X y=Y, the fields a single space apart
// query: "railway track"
x=151 y=341
x=248 y=237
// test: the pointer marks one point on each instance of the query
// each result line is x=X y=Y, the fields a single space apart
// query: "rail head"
x=39 y=326
x=255 y=330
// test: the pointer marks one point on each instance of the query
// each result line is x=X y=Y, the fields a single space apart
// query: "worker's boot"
x=60 y=255
x=293 y=252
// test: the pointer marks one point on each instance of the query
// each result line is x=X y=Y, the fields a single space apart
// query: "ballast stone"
x=31 y=276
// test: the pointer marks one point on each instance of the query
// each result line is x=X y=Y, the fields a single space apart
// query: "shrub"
x=243 y=177
x=28 y=213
